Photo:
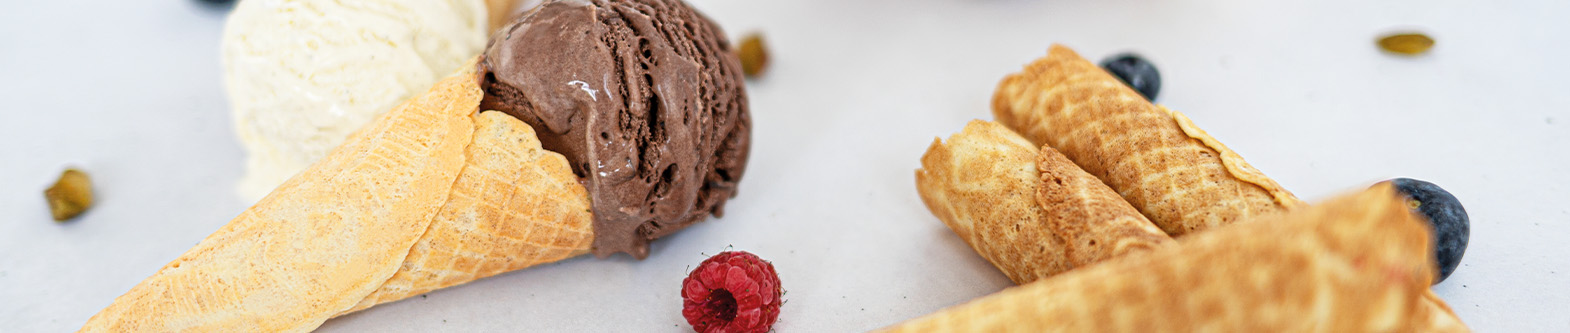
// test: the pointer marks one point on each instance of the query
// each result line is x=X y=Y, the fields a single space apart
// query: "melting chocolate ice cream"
x=645 y=99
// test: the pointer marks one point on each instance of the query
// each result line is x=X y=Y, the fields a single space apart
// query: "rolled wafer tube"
x=1093 y=221
x=982 y=184
x=1031 y=214
x=427 y=196
x=1175 y=173
x=1341 y=266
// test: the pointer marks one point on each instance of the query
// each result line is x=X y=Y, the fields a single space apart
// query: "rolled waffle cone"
x=427 y=196
x=982 y=184
x=1094 y=222
x=1343 y=266
x=1031 y=214
x=1173 y=172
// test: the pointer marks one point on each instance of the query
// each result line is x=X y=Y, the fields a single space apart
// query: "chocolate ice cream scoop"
x=643 y=97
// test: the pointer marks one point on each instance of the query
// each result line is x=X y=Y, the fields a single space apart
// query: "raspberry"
x=733 y=291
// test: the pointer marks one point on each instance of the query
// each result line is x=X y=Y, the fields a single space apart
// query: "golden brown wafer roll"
x=1094 y=223
x=982 y=183
x=1352 y=264
x=1173 y=172
x=1031 y=214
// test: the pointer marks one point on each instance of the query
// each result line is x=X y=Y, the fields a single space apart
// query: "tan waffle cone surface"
x=514 y=205
x=982 y=183
x=1343 y=266
x=429 y=195
x=322 y=240
x=1174 y=173
x=1093 y=221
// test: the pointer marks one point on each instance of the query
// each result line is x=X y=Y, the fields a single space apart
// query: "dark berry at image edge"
x=218 y=3
x=1135 y=71
x=1445 y=214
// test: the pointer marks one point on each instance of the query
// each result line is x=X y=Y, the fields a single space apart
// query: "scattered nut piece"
x=70 y=196
x=1406 y=43
x=754 y=56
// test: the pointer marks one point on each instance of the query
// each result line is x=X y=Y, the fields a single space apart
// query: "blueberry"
x=217 y=4
x=1135 y=71
x=1444 y=212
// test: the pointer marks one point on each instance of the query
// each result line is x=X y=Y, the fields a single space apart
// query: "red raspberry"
x=733 y=291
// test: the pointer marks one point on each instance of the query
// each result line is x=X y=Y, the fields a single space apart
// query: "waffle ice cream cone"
x=1032 y=214
x=514 y=205
x=1346 y=265
x=429 y=195
x=1173 y=172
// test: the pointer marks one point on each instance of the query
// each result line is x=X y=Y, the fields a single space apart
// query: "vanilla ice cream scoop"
x=304 y=74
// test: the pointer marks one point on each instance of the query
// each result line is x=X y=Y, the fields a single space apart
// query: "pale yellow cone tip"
x=428 y=195
x=501 y=12
x=323 y=239
x=498 y=12
x=1358 y=263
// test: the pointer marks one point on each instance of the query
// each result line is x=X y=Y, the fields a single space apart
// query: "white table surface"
x=131 y=92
